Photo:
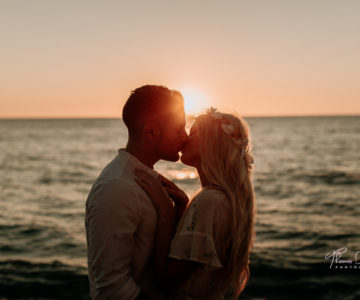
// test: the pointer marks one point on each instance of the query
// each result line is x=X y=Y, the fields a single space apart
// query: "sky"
x=257 y=57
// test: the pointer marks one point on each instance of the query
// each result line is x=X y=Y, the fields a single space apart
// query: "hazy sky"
x=82 y=58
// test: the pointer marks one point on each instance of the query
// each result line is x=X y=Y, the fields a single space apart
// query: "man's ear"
x=151 y=132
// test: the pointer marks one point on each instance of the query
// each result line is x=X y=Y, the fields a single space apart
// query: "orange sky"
x=260 y=58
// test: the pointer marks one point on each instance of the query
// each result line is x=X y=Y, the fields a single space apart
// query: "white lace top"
x=200 y=237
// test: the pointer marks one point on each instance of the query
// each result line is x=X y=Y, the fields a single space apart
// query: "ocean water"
x=307 y=185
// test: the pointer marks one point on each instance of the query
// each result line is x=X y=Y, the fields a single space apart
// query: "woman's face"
x=191 y=149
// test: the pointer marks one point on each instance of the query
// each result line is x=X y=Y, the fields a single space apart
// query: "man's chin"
x=176 y=157
x=173 y=158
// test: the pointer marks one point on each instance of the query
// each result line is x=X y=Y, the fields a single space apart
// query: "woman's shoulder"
x=210 y=197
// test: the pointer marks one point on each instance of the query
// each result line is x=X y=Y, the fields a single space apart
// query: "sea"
x=307 y=185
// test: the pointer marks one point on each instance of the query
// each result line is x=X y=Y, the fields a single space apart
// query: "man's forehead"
x=176 y=115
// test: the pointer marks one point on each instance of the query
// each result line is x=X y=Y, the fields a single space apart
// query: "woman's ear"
x=151 y=132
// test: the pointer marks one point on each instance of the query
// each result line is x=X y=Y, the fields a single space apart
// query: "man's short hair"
x=148 y=102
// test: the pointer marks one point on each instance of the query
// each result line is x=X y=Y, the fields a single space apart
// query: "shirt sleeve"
x=195 y=237
x=113 y=216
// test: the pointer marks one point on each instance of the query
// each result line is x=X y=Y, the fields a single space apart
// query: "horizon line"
x=189 y=115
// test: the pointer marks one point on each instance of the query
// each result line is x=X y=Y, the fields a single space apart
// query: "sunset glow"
x=261 y=58
x=195 y=101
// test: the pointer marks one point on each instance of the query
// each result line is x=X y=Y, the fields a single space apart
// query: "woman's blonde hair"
x=226 y=162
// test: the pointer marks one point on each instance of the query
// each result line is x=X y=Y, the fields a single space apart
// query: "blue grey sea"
x=307 y=185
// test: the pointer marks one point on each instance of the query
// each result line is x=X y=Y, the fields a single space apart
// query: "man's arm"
x=113 y=217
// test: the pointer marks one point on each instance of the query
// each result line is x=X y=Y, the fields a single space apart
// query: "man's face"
x=172 y=136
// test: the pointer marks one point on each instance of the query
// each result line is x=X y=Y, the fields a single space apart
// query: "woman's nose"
x=184 y=136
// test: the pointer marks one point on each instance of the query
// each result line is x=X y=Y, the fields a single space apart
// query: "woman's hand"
x=176 y=194
x=157 y=193
x=179 y=197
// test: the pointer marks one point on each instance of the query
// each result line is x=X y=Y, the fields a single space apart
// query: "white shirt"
x=120 y=226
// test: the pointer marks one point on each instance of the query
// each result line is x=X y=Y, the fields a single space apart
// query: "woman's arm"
x=170 y=272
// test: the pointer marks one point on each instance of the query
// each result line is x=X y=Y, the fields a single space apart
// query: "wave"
x=70 y=178
x=293 y=175
x=332 y=178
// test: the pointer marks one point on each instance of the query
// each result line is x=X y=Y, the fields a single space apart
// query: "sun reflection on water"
x=182 y=174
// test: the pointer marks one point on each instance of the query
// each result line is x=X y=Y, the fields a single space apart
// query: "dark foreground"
x=24 y=280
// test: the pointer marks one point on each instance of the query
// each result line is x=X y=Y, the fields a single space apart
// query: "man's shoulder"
x=118 y=167
x=111 y=194
x=120 y=184
x=116 y=179
x=115 y=182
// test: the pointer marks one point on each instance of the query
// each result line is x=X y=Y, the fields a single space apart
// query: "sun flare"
x=195 y=101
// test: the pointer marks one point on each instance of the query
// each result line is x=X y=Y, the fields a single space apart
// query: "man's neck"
x=141 y=154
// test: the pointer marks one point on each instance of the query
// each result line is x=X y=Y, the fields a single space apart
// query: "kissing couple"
x=145 y=239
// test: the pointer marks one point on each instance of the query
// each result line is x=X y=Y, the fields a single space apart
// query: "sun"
x=194 y=100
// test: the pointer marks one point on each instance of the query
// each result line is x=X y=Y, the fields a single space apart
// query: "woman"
x=208 y=257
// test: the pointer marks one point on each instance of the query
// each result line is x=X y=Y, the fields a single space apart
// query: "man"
x=120 y=218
